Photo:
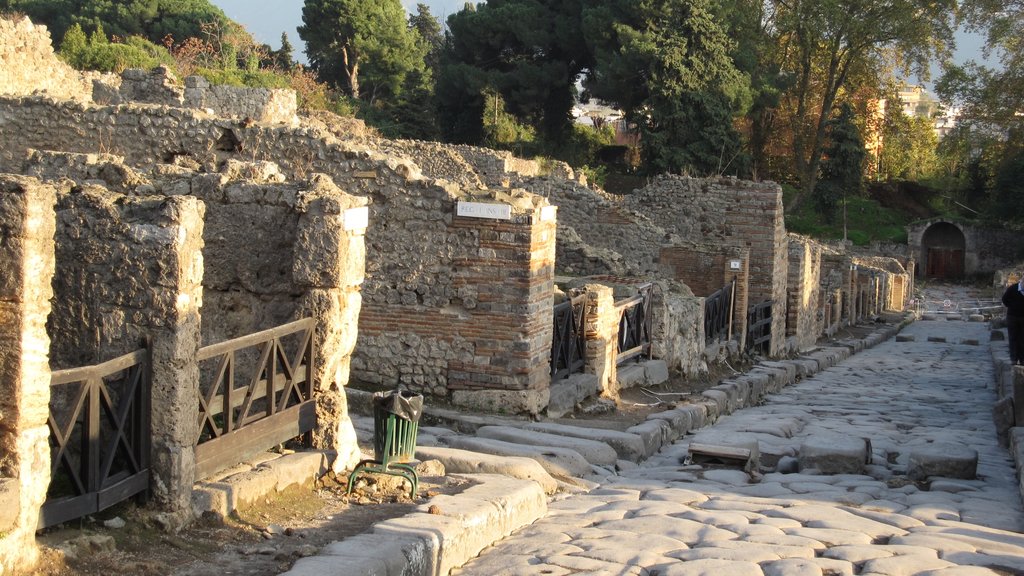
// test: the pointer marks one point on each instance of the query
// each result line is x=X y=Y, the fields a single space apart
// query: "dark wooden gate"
x=945 y=263
x=718 y=313
x=99 y=437
x=273 y=404
x=567 y=340
x=636 y=319
x=759 y=327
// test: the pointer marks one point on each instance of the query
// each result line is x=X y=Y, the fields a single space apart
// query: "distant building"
x=592 y=113
x=919 y=103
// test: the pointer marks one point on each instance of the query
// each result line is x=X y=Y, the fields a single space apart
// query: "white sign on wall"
x=735 y=264
x=356 y=218
x=484 y=210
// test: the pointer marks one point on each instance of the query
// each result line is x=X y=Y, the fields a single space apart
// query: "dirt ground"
x=265 y=539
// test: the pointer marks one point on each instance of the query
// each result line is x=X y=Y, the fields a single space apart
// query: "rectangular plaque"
x=548 y=213
x=356 y=218
x=484 y=210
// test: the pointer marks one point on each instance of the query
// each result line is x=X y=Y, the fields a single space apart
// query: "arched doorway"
x=943 y=249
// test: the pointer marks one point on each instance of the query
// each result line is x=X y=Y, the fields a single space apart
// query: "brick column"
x=27 y=261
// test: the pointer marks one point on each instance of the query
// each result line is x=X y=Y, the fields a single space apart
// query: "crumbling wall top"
x=29 y=66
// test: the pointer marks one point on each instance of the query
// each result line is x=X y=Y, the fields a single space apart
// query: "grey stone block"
x=654 y=434
x=942 y=459
x=905 y=338
x=834 y=454
x=595 y=452
x=466 y=462
x=627 y=446
x=630 y=376
x=656 y=372
x=559 y=462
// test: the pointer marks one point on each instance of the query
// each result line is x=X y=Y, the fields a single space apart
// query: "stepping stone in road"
x=835 y=454
x=942 y=459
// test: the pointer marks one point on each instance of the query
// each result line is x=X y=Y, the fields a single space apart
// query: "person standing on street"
x=1013 y=299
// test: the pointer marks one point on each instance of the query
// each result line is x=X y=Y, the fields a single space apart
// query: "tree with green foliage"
x=283 y=57
x=429 y=30
x=531 y=52
x=96 y=52
x=842 y=170
x=150 y=19
x=364 y=47
x=909 y=146
x=667 y=64
x=828 y=44
x=990 y=100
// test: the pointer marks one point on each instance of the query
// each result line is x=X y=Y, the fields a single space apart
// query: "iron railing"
x=718 y=313
x=568 y=339
x=99 y=420
x=273 y=404
x=636 y=318
x=759 y=327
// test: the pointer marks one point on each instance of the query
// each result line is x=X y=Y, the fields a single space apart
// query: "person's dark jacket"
x=1014 y=301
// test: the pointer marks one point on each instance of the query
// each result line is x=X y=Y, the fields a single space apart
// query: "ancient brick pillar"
x=27 y=264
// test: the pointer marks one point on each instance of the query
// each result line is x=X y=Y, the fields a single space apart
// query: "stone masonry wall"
x=27 y=261
x=261 y=273
x=732 y=212
x=277 y=252
x=29 y=66
x=804 y=320
x=471 y=317
x=706 y=268
x=409 y=207
x=131 y=267
x=597 y=234
x=267 y=105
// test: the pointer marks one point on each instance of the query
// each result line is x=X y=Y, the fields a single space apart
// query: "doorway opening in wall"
x=942 y=247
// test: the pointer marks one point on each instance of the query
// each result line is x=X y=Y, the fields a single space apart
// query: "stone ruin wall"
x=29 y=66
x=598 y=235
x=131 y=265
x=804 y=317
x=733 y=212
x=27 y=259
x=266 y=105
x=896 y=281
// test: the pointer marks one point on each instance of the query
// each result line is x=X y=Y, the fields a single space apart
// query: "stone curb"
x=444 y=533
x=236 y=487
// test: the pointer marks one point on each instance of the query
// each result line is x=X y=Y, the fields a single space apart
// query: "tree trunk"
x=351 y=65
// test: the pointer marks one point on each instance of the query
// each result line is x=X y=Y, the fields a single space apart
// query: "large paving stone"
x=559 y=462
x=466 y=462
x=834 y=454
x=946 y=460
x=627 y=446
x=595 y=452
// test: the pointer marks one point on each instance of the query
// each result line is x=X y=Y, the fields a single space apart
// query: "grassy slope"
x=866 y=220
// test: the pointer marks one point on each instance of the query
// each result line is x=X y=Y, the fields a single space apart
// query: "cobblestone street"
x=929 y=394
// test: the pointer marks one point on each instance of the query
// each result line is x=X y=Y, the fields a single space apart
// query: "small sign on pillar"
x=484 y=210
